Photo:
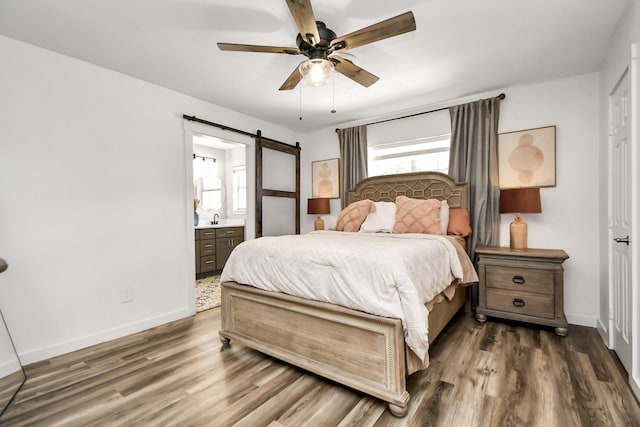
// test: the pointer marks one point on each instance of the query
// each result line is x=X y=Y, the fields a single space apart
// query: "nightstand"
x=522 y=285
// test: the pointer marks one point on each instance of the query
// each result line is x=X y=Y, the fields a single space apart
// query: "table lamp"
x=319 y=206
x=519 y=200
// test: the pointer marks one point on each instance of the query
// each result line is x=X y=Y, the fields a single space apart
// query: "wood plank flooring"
x=496 y=374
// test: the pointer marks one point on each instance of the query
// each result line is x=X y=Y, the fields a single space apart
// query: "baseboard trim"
x=40 y=354
x=9 y=367
x=576 y=319
x=604 y=333
x=635 y=386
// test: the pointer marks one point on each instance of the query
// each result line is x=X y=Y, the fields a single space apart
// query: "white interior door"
x=620 y=137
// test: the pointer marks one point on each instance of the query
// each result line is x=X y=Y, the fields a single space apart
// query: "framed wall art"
x=527 y=158
x=325 y=178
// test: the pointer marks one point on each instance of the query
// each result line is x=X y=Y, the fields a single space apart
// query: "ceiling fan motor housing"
x=321 y=48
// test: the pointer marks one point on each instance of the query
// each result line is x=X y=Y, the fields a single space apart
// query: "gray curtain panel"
x=353 y=158
x=473 y=157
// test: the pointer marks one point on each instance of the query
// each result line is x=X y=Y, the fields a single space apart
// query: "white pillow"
x=444 y=217
x=382 y=220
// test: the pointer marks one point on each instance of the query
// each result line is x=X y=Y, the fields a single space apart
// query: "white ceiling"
x=460 y=48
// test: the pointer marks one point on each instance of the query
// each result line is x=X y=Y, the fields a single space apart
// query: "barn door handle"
x=518 y=302
x=3 y=265
x=622 y=240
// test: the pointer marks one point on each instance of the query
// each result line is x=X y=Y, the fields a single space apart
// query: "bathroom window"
x=240 y=188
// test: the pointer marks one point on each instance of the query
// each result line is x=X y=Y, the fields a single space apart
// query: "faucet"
x=215 y=218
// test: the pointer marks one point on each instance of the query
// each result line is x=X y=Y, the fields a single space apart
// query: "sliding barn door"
x=277 y=188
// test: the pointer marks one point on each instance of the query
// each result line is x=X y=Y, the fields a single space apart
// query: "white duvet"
x=390 y=275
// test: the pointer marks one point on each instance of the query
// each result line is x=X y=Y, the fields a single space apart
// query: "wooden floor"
x=496 y=374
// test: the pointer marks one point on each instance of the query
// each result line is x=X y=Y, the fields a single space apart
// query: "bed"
x=364 y=351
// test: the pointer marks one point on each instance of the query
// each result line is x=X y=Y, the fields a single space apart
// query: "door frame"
x=614 y=109
x=192 y=128
x=634 y=75
x=634 y=69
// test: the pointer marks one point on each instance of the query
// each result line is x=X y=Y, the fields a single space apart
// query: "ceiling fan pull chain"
x=333 y=101
x=300 y=117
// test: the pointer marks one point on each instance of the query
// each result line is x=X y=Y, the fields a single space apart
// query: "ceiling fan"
x=319 y=44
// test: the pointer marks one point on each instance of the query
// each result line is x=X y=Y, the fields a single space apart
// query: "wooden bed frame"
x=356 y=349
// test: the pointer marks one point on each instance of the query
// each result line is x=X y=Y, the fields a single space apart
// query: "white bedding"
x=390 y=275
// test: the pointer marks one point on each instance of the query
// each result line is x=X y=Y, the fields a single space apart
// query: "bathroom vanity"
x=214 y=244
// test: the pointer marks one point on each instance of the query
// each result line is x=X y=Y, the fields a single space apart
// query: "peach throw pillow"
x=417 y=216
x=459 y=222
x=352 y=217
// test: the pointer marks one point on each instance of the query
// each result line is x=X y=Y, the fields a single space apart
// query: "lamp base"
x=318 y=224
x=518 y=235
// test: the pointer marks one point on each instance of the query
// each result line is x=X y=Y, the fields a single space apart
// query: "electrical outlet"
x=127 y=294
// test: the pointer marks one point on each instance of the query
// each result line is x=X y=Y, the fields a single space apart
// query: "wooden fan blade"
x=382 y=30
x=355 y=73
x=305 y=20
x=255 y=48
x=292 y=81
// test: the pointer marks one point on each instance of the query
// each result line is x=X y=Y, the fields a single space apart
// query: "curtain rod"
x=501 y=96
x=242 y=132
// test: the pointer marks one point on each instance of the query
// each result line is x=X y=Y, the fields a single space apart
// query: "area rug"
x=207 y=293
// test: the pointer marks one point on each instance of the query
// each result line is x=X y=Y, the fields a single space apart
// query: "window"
x=239 y=188
x=413 y=144
x=422 y=154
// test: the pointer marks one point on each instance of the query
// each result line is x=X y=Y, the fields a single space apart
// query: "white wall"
x=93 y=168
x=319 y=145
x=570 y=210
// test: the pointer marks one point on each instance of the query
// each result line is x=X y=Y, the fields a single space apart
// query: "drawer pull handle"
x=518 y=280
x=211 y=262
x=518 y=302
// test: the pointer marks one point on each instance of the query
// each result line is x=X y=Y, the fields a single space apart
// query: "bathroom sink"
x=222 y=223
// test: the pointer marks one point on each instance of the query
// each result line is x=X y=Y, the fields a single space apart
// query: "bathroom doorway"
x=220 y=197
x=220 y=207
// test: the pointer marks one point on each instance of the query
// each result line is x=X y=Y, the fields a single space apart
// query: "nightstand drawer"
x=521 y=302
x=520 y=279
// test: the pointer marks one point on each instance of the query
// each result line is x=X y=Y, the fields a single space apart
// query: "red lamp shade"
x=318 y=207
x=519 y=200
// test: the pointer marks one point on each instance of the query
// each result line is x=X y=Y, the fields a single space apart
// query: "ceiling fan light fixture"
x=316 y=72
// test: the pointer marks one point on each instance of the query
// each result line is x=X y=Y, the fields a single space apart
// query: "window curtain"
x=353 y=158
x=473 y=158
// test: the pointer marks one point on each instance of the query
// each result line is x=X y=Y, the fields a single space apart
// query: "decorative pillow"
x=444 y=216
x=417 y=216
x=381 y=220
x=352 y=217
x=459 y=222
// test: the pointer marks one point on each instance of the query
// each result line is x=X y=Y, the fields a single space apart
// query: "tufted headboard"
x=417 y=185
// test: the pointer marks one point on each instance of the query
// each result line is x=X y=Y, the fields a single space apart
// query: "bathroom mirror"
x=208 y=189
x=11 y=373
